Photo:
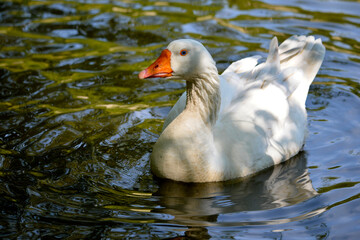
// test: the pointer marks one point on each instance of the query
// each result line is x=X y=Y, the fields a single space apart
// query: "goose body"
x=232 y=125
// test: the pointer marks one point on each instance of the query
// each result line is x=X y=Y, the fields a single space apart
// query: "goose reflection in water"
x=201 y=204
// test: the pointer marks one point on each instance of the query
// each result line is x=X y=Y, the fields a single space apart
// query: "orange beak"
x=160 y=68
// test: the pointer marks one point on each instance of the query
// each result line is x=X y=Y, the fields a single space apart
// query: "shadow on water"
x=201 y=203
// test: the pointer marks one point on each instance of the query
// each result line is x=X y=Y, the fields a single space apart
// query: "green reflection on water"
x=78 y=126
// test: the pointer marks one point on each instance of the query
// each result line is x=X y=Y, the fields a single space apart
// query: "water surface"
x=77 y=125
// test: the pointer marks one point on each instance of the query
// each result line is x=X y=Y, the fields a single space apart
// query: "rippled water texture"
x=77 y=125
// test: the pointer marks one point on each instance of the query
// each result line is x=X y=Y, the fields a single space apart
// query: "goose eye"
x=183 y=52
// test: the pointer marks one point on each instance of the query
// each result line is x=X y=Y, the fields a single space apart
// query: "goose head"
x=182 y=59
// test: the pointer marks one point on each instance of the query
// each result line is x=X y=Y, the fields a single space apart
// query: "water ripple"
x=77 y=125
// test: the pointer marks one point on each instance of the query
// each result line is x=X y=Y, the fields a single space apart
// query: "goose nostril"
x=156 y=66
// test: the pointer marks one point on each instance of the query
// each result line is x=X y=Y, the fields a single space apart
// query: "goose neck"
x=203 y=96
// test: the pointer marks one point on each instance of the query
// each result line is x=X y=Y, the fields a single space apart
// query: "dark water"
x=77 y=125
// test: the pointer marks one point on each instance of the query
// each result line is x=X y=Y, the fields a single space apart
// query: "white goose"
x=237 y=123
